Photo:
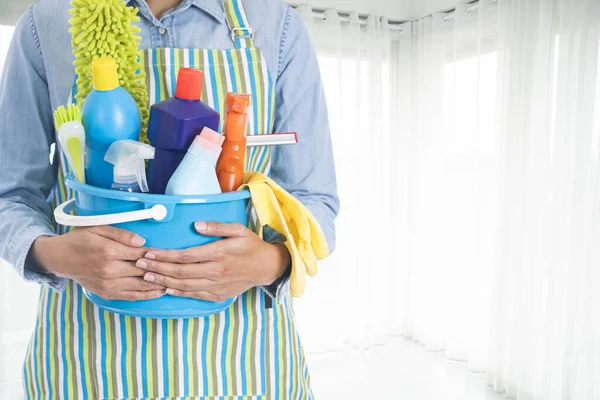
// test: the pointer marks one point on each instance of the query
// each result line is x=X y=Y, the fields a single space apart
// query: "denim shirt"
x=39 y=75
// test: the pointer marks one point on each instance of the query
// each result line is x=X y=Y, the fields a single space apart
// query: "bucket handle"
x=62 y=215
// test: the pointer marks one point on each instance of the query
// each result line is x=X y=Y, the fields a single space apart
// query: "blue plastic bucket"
x=166 y=222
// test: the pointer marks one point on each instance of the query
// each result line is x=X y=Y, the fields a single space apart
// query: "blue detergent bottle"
x=109 y=114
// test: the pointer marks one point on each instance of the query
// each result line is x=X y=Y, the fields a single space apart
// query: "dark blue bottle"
x=173 y=125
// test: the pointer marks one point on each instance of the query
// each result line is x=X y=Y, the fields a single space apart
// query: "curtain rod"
x=320 y=13
x=469 y=7
x=396 y=25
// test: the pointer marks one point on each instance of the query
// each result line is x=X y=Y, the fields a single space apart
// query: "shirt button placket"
x=165 y=38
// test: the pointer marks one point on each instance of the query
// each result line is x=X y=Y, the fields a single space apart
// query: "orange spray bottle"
x=231 y=164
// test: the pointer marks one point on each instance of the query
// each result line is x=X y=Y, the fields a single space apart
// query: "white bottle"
x=196 y=175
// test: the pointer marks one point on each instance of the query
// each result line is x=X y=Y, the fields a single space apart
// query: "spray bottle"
x=231 y=164
x=128 y=157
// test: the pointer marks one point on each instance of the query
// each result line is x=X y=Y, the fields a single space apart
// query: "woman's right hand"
x=101 y=259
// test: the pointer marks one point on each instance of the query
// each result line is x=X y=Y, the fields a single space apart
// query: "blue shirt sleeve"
x=26 y=133
x=307 y=169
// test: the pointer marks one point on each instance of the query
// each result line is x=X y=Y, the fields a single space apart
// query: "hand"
x=219 y=270
x=101 y=259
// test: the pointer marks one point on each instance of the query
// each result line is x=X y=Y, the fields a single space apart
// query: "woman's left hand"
x=219 y=270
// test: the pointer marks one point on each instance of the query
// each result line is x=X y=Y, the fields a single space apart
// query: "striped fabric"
x=238 y=23
x=225 y=71
x=80 y=352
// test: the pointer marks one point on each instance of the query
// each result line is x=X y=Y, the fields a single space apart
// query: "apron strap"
x=241 y=32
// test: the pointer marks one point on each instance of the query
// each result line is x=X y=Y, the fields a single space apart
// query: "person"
x=251 y=350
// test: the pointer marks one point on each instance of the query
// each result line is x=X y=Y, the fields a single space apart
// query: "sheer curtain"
x=545 y=336
x=419 y=189
x=468 y=151
x=450 y=181
x=348 y=305
x=501 y=105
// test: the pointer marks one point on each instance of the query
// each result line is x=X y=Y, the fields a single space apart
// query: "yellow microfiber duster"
x=101 y=28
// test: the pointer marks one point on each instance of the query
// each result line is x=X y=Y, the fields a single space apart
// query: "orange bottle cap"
x=189 y=84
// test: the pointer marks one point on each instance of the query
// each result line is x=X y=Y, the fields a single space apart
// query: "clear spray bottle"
x=129 y=158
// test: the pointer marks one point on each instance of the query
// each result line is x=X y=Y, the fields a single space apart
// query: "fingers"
x=111 y=287
x=119 y=235
x=199 y=295
x=120 y=252
x=201 y=254
x=185 y=285
x=118 y=270
x=125 y=289
x=135 y=285
x=210 y=271
x=220 y=229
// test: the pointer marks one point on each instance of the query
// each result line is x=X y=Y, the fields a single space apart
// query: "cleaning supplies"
x=71 y=136
x=174 y=123
x=128 y=157
x=231 y=167
x=272 y=139
x=109 y=114
x=101 y=28
x=196 y=174
x=283 y=213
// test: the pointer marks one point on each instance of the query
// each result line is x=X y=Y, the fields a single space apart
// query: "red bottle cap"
x=189 y=84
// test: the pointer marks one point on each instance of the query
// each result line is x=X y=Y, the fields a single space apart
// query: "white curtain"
x=348 y=305
x=449 y=181
x=418 y=185
x=501 y=102
x=469 y=176
x=545 y=330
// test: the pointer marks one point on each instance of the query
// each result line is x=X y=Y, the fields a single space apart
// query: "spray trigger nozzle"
x=128 y=157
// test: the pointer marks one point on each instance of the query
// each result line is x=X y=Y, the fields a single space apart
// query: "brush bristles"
x=101 y=28
x=63 y=115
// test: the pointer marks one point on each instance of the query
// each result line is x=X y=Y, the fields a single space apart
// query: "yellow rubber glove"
x=282 y=212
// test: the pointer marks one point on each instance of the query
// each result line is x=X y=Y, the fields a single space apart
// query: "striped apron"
x=249 y=351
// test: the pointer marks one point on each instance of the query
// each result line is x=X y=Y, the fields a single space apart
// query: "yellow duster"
x=101 y=28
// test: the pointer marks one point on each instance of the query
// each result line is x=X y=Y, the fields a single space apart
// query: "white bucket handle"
x=62 y=215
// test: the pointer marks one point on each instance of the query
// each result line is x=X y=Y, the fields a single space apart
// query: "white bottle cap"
x=207 y=140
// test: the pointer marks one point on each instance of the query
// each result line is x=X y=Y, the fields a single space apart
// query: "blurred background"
x=467 y=144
